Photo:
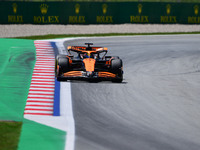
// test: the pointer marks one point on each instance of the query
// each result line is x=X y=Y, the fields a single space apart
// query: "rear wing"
x=85 y=49
x=90 y=50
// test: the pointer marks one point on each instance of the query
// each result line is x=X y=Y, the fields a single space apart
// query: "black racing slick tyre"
x=56 y=62
x=116 y=65
x=60 y=56
x=116 y=68
x=63 y=65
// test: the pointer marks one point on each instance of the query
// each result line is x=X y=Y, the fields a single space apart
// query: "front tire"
x=61 y=66
x=56 y=63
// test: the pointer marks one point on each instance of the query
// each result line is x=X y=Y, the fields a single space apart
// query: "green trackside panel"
x=104 y=13
x=76 y=13
x=165 y=13
x=14 y=12
x=17 y=61
x=190 y=13
x=136 y=12
x=45 y=13
x=35 y=136
x=169 y=13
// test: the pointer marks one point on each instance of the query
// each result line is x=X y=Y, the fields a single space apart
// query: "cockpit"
x=89 y=55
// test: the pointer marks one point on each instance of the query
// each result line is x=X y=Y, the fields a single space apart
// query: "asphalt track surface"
x=157 y=107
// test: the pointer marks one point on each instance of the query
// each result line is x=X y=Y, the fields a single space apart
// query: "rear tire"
x=116 y=68
x=60 y=56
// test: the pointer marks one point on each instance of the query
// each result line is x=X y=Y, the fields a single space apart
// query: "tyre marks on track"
x=41 y=92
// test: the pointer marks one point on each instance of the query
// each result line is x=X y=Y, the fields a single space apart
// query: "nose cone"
x=89 y=64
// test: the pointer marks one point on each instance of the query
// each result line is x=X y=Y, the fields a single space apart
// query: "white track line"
x=66 y=110
x=66 y=104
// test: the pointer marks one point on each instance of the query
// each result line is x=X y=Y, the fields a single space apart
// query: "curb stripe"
x=40 y=101
x=41 y=77
x=41 y=92
x=42 y=86
x=31 y=105
x=36 y=89
x=38 y=109
x=38 y=114
x=36 y=83
x=44 y=74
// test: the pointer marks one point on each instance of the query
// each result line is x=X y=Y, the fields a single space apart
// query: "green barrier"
x=98 y=12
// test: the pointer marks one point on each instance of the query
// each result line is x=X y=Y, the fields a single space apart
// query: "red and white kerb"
x=41 y=93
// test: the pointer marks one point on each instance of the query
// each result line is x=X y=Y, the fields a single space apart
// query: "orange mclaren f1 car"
x=88 y=63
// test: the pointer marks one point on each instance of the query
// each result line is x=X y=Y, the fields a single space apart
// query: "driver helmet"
x=88 y=55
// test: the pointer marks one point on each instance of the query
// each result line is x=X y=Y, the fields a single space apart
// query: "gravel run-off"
x=29 y=30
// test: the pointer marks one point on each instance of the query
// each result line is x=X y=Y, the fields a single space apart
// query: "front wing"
x=82 y=75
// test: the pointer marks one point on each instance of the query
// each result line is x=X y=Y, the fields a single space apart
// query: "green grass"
x=9 y=135
x=54 y=36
